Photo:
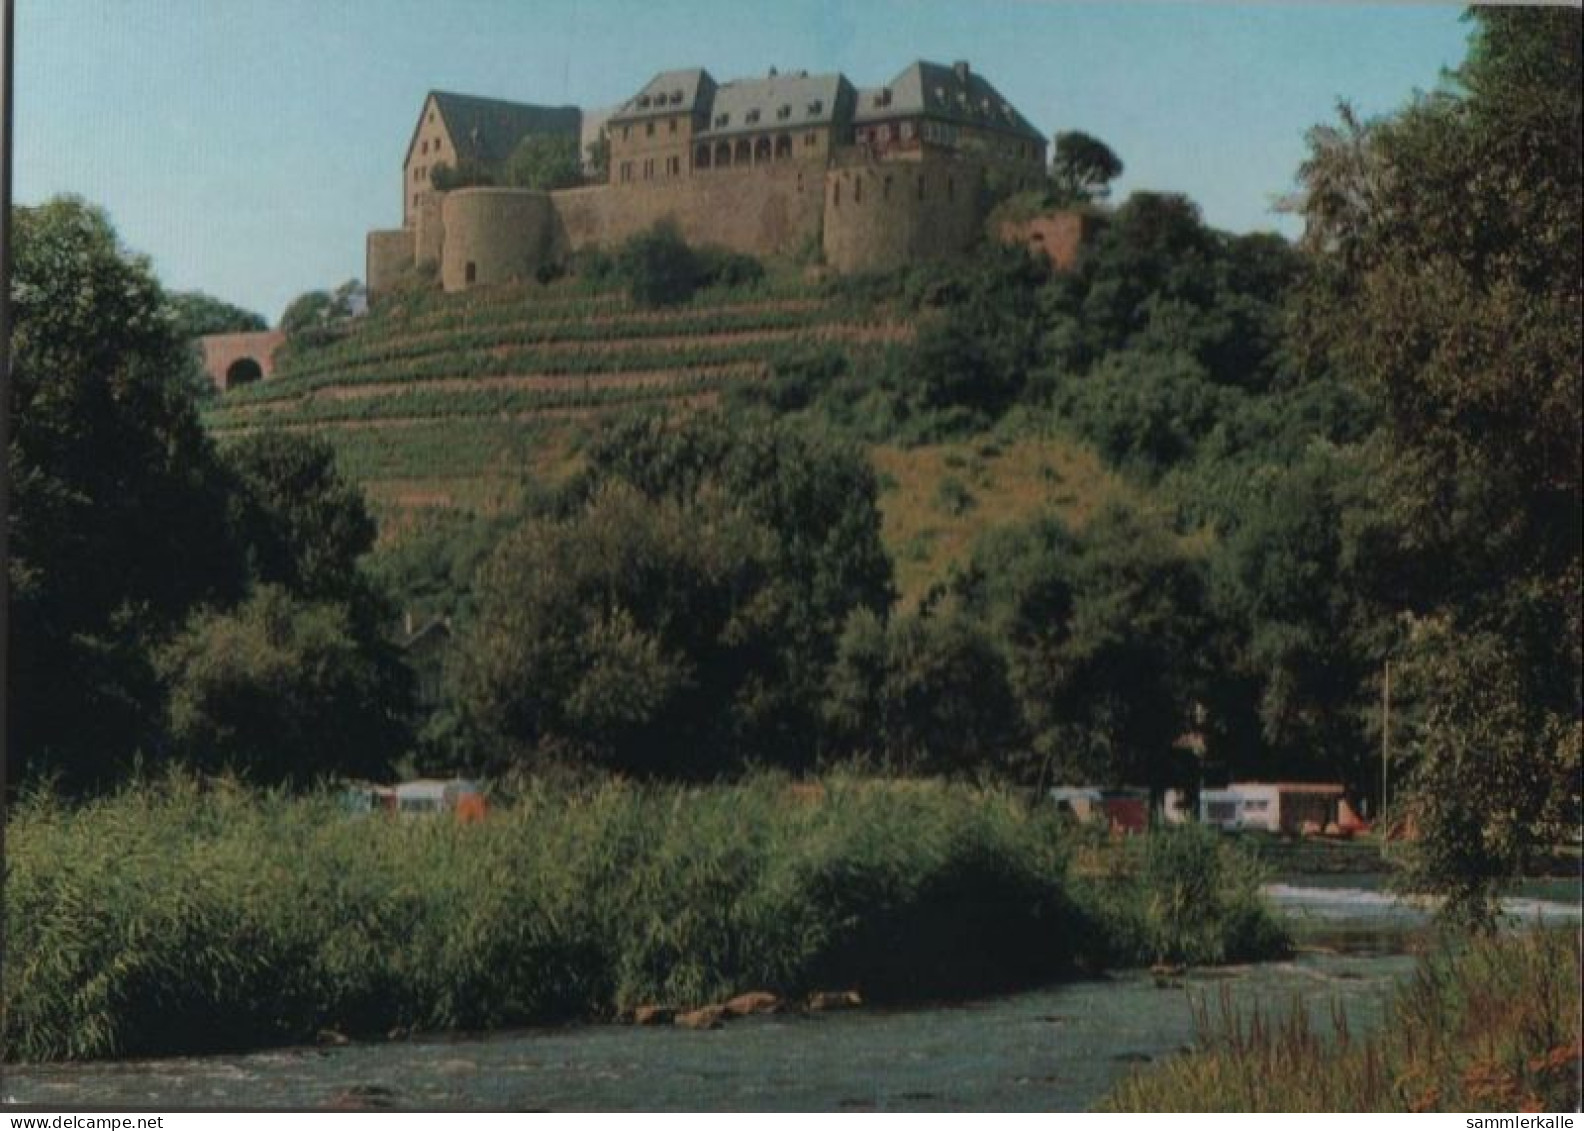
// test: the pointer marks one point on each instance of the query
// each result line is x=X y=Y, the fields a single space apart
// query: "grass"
x=941 y=497
x=191 y=917
x=1494 y=1026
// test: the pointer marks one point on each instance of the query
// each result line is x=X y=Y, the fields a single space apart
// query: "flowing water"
x=1053 y=1049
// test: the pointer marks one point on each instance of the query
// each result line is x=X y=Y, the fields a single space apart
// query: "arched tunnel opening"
x=243 y=371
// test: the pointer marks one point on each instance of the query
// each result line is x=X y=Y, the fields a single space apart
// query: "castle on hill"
x=873 y=177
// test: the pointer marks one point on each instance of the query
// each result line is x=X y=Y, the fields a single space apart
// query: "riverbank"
x=185 y=918
x=1492 y=1026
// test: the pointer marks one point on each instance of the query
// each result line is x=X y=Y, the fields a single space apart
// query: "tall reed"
x=1494 y=1025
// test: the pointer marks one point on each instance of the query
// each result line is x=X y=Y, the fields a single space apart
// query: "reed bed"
x=1492 y=1025
x=184 y=917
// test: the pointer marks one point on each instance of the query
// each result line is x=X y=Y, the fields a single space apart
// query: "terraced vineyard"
x=437 y=401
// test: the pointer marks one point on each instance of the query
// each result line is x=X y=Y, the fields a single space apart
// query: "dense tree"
x=119 y=522
x=282 y=690
x=923 y=694
x=304 y=526
x=469 y=172
x=1289 y=579
x=637 y=635
x=315 y=316
x=1083 y=166
x=748 y=546
x=1447 y=281
x=1105 y=636
x=197 y=314
x=545 y=162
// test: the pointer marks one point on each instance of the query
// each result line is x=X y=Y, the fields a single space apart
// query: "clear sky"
x=248 y=145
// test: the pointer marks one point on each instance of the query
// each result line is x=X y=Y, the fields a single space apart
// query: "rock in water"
x=710 y=1017
x=840 y=999
x=745 y=1005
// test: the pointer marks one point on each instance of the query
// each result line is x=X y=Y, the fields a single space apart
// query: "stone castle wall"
x=494 y=235
x=864 y=214
x=758 y=211
x=881 y=215
x=390 y=253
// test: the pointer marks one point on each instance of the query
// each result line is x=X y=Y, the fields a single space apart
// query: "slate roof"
x=670 y=92
x=488 y=129
x=953 y=94
x=786 y=101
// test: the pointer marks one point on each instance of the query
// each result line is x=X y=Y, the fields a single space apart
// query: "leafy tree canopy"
x=197 y=314
x=1083 y=166
x=545 y=162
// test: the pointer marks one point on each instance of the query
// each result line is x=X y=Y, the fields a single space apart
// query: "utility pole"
x=7 y=57
x=1385 y=732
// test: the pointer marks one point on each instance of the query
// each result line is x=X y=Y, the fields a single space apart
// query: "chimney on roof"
x=961 y=69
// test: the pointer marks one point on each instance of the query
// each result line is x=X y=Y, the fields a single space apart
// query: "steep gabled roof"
x=488 y=129
x=779 y=102
x=670 y=92
x=953 y=94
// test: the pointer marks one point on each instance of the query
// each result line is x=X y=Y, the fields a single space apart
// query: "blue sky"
x=246 y=146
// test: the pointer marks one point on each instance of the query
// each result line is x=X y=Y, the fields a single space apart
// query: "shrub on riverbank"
x=1186 y=894
x=194 y=917
x=1493 y=1027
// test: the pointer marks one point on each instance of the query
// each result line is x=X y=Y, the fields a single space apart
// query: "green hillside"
x=447 y=401
x=454 y=402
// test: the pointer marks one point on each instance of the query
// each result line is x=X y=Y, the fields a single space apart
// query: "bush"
x=659 y=268
x=1186 y=894
x=188 y=917
x=1494 y=1027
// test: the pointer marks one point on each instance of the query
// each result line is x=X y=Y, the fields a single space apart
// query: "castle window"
x=649 y=129
x=761 y=150
x=723 y=155
x=753 y=116
x=809 y=138
x=783 y=147
x=643 y=102
x=673 y=125
x=472 y=272
x=744 y=153
x=816 y=107
x=722 y=121
x=626 y=133
x=783 y=113
x=676 y=98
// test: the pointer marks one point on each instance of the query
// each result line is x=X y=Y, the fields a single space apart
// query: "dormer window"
x=722 y=121
x=816 y=107
x=784 y=113
x=676 y=98
x=643 y=102
x=883 y=97
x=753 y=116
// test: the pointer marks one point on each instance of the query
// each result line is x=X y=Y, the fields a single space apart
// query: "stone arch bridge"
x=233 y=360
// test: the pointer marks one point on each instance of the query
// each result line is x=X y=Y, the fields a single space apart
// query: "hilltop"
x=457 y=403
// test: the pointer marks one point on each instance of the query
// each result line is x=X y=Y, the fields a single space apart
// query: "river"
x=1054 y=1049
